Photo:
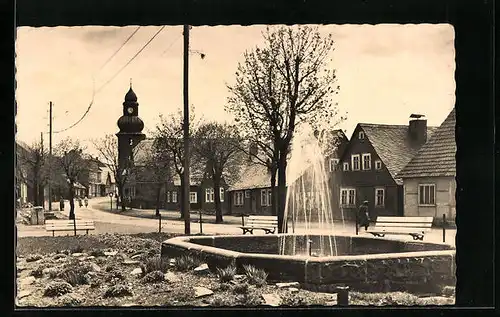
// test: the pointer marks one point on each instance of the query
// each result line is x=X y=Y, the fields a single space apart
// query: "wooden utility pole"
x=50 y=157
x=187 y=183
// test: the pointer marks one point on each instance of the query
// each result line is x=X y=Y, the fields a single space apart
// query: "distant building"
x=25 y=191
x=371 y=161
x=251 y=194
x=429 y=178
x=95 y=183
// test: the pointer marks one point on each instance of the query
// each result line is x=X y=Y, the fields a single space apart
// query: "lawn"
x=126 y=270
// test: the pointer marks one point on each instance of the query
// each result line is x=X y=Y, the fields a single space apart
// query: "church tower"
x=130 y=133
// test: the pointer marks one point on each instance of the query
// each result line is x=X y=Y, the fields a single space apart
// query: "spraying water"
x=308 y=200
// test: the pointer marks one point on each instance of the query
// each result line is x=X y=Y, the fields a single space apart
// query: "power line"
x=107 y=82
x=116 y=52
x=113 y=55
x=171 y=44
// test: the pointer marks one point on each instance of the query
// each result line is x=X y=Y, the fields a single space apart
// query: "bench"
x=69 y=225
x=413 y=226
x=266 y=223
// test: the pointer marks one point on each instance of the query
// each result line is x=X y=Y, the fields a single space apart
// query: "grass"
x=153 y=277
x=255 y=276
x=156 y=263
x=57 y=288
x=227 y=274
x=186 y=262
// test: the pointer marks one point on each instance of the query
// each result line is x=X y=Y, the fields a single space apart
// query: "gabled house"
x=95 y=184
x=252 y=193
x=429 y=178
x=371 y=161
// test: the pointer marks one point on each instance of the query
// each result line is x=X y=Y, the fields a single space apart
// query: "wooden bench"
x=413 y=226
x=69 y=225
x=266 y=223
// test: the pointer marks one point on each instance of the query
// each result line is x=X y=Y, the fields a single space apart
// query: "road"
x=107 y=222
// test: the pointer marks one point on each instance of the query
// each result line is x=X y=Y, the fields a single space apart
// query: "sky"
x=385 y=72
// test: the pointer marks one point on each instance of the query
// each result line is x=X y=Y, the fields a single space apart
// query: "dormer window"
x=361 y=135
x=378 y=165
x=346 y=166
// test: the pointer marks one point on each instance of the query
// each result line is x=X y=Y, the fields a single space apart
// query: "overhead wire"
x=107 y=82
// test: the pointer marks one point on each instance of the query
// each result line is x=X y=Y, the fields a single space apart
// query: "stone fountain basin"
x=363 y=263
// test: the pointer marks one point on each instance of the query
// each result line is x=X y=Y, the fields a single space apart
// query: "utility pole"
x=187 y=183
x=50 y=156
x=39 y=186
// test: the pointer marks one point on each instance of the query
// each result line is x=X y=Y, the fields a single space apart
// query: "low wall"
x=416 y=267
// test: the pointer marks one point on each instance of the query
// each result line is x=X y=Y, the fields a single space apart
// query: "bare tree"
x=169 y=140
x=33 y=170
x=153 y=169
x=74 y=163
x=281 y=85
x=108 y=154
x=218 y=146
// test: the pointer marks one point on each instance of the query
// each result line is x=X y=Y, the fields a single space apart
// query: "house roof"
x=437 y=156
x=252 y=176
x=392 y=144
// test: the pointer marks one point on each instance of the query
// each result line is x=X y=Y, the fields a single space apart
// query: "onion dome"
x=131 y=96
x=130 y=124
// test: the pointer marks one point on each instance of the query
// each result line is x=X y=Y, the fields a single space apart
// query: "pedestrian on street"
x=86 y=201
x=80 y=204
x=61 y=204
x=363 y=215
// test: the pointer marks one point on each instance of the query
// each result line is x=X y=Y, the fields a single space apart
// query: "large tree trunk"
x=274 y=196
x=158 y=194
x=281 y=194
x=121 y=195
x=36 y=192
x=218 y=209
x=71 y=201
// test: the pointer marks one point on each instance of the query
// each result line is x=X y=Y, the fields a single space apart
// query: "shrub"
x=382 y=299
x=52 y=272
x=38 y=272
x=227 y=274
x=114 y=275
x=75 y=273
x=156 y=264
x=224 y=287
x=255 y=276
x=77 y=249
x=251 y=299
x=34 y=257
x=242 y=288
x=153 y=277
x=97 y=253
x=186 y=263
x=118 y=290
x=289 y=299
x=57 y=288
x=110 y=268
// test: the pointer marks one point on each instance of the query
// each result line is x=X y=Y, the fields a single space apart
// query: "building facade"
x=429 y=178
x=375 y=154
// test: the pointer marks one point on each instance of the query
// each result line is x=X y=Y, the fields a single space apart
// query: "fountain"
x=316 y=254
x=308 y=199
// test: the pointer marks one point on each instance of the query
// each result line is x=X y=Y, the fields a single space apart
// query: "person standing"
x=86 y=201
x=80 y=204
x=363 y=215
x=61 y=204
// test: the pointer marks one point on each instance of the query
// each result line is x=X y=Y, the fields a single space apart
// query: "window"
x=361 y=135
x=347 y=196
x=333 y=164
x=238 y=198
x=378 y=165
x=193 y=197
x=209 y=195
x=169 y=197
x=355 y=162
x=346 y=166
x=367 y=161
x=426 y=194
x=379 y=197
x=174 y=197
x=247 y=194
x=221 y=190
x=265 y=197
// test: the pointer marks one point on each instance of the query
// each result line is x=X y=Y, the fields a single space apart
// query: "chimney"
x=417 y=130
